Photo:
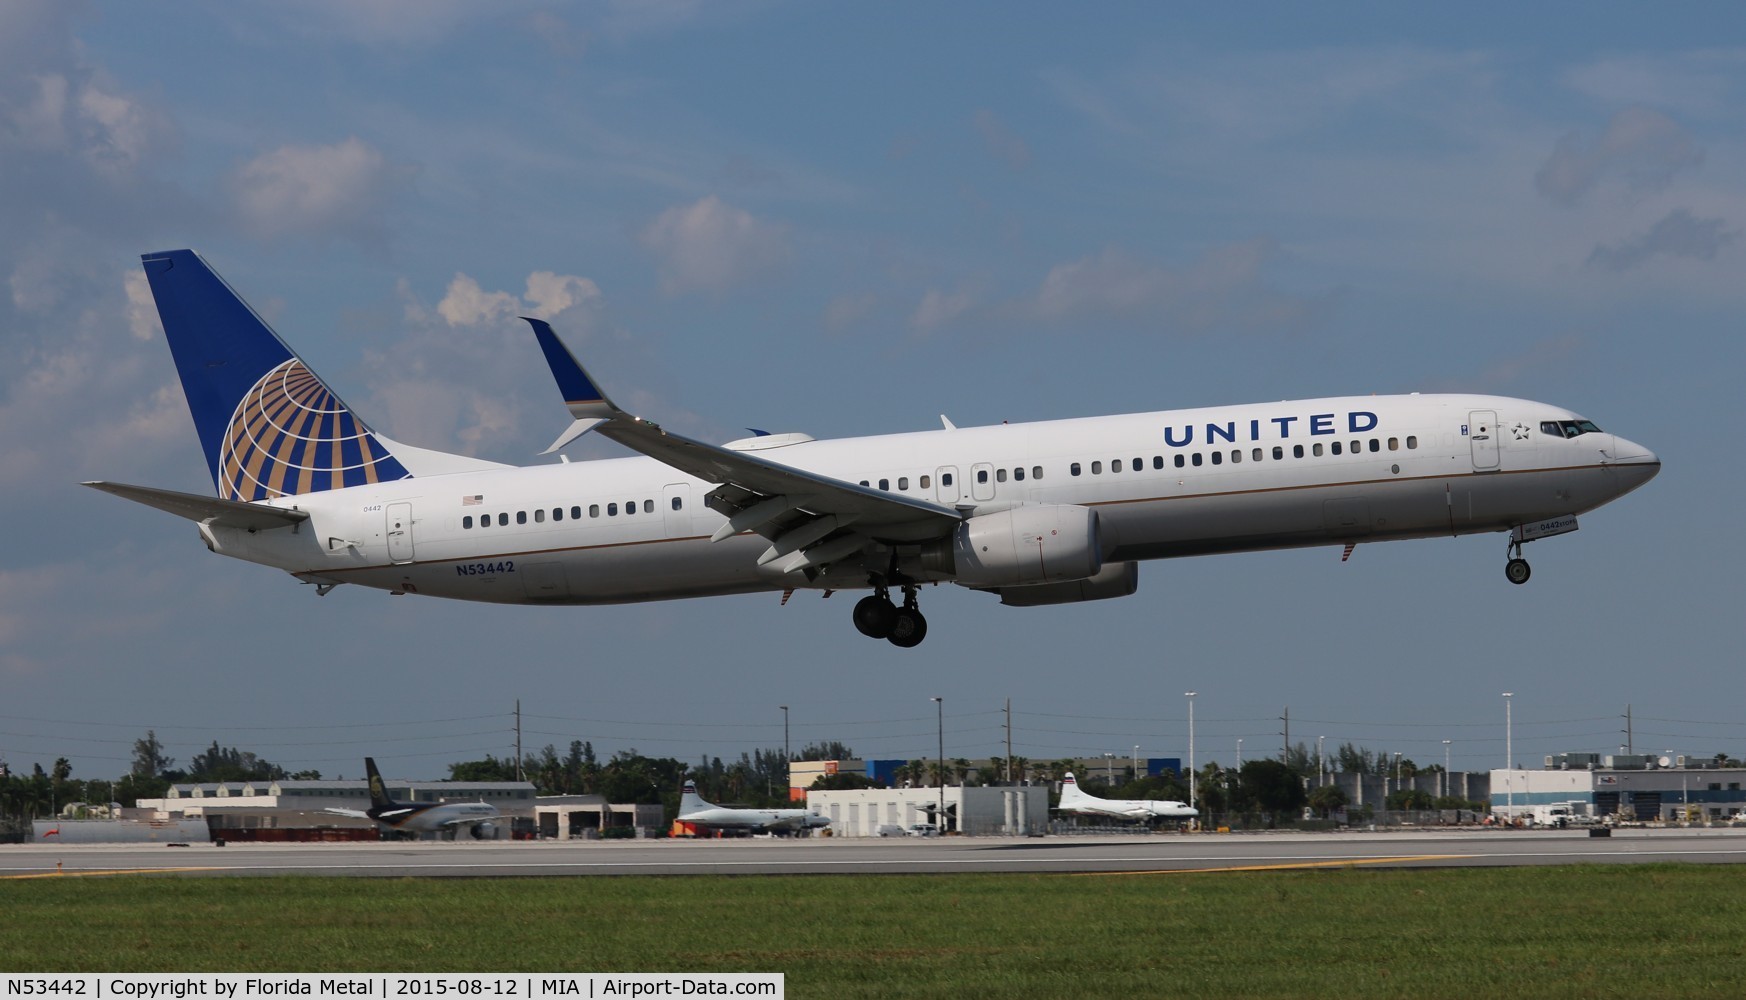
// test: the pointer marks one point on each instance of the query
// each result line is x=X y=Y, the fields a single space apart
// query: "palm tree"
x=937 y=772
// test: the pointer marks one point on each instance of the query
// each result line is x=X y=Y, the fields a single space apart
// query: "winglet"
x=581 y=395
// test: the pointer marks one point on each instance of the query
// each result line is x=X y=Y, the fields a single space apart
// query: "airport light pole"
x=1319 y=769
x=1136 y=762
x=1509 y=753
x=1190 y=696
x=1445 y=768
x=940 y=817
x=1109 y=768
x=787 y=756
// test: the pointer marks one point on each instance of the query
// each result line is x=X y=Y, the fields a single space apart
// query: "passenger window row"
x=557 y=513
x=946 y=478
x=1278 y=452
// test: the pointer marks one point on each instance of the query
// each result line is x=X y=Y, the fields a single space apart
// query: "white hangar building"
x=1669 y=789
x=975 y=811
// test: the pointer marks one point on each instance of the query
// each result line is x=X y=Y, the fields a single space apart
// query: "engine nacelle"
x=1033 y=544
x=1114 y=580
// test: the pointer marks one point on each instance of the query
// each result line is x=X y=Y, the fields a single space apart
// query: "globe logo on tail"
x=292 y=435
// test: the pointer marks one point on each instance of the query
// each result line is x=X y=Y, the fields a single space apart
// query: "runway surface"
x=1166 y=853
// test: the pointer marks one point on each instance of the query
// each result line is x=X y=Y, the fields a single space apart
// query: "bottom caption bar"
x=388 y=986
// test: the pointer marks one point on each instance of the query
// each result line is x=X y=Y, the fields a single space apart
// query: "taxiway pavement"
x=1160 y=853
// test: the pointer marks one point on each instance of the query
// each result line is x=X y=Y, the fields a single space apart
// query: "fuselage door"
x=1482 y=436
x=676 y=509
x=946 y=483
x=399 y=532
x=982 y=481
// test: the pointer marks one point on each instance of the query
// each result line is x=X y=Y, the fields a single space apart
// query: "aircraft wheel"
x=874 y=616
x=1517 y=571
x=908 y=628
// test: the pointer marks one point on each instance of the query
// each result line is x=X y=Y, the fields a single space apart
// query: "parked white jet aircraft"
x=1075 y=800
x=692 y=809
x=413 y=818
x=1037 y=513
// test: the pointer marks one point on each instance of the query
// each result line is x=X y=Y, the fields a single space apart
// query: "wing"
x=810 y=520
x=353 y=813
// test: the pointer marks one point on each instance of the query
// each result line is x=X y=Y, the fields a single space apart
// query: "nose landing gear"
x=1516 y=570
x=876 y=617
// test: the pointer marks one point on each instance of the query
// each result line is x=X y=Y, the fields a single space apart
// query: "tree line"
x=1267 y=789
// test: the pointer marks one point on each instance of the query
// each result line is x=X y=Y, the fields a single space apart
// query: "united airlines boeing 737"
x=1034 y=513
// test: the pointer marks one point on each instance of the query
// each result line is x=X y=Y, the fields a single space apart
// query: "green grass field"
x=1590 y=931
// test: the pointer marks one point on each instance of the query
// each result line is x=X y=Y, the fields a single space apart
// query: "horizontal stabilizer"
x=576 y=429
x=206 y=510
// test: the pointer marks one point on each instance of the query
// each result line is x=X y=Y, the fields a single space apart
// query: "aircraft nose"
x=1634 y=462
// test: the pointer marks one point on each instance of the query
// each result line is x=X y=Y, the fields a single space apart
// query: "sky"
x=851 y=219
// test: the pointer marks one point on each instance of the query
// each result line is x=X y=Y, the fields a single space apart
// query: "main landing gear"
x=1517 y=570
x=877 y=618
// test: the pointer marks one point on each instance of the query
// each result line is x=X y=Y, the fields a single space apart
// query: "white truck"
x=1559 y=815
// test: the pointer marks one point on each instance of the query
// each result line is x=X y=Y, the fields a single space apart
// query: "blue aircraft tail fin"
x=268 y=425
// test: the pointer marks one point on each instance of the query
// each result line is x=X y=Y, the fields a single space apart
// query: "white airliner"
x=693 y=810
x=1040 y=513
x=1075 y=800
x=413 y=818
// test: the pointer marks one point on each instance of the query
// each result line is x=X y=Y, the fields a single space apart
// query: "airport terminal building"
x=1635 y=787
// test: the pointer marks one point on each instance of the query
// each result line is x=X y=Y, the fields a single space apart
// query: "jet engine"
x=1033 y=544
x=484 y=831
x=1114 y=580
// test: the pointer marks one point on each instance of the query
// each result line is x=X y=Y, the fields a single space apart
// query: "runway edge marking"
x=1294 y=866
x=115 y=871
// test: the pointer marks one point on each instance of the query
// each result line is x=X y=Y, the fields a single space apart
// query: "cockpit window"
x=1568 y=428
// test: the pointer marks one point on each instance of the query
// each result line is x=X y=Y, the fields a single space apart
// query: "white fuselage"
x=410 y=818
x=1169 y=483
x=1076 y=800
x=722 y=817
x=1133 y=808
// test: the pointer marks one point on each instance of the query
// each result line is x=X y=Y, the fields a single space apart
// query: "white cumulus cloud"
x=142 y=309
x=939 y=309
x=1678 y=234
x=548 y=294
x=710 y=246
x=1643 y=148
x=1224 y=288
x=342 y=189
